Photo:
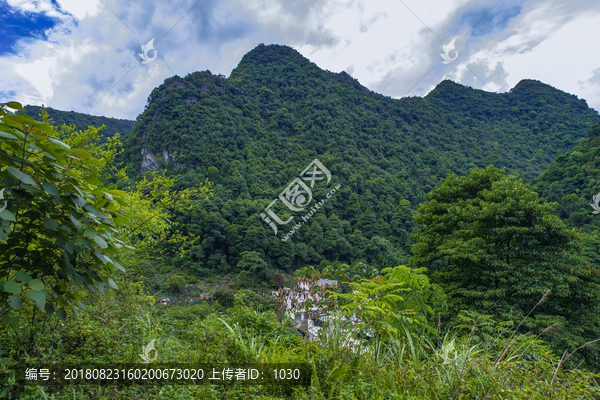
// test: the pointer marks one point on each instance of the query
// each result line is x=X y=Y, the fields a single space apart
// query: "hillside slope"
x=256 y=131
x=573 y=180
x=82 y=121
x=275 y=91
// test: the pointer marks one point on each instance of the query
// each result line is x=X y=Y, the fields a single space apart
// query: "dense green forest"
x=573 y=181
x=82 y=121
x=253 y=133
x=467 y=283
x=74 y=220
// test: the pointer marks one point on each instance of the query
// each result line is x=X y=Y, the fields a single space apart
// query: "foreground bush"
x=479 y=359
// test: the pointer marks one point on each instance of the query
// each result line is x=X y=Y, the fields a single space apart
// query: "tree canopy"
x=57 y=232
x=254 y=132
x=492 y=245
x=68 y=227
x=82 y=122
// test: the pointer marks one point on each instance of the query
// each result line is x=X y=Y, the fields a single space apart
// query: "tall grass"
x=477 y=359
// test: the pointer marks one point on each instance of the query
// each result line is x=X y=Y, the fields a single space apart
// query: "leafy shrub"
x=216 y=308
x=200 y=310
x=244 y=279
x=224 y=297
x=176 y=283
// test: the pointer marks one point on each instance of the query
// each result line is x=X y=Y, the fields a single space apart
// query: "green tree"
x=224 y=297
x=152 y=204
x=252 y=261
x=334 y=238
x=402 y=223
x=57 y=234
x=283 y=252
x=359 y=244
x=367 y=224
x=593 y=131
x=590 y=247
x=353 y=209
x=315 y=236
x=355 y=273
x=238 y=184
x=394 y=304
x=492 y=245
x=214 y=175
x=215 y=230
x=176 y=283
x=256 y=236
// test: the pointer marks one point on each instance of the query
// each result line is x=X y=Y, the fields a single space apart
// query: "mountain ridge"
x=82 y=120
x=286 y=81
x=256 y=131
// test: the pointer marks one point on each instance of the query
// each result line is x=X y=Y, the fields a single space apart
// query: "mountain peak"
x=273 y=53
x=527 y=84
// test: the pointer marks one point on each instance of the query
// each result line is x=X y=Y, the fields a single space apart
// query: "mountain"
x=82 y=121
x=256 y=131
x=276 y=91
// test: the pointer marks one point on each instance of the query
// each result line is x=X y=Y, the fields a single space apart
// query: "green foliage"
x=345 y=288
x=224 y=297
x=573 y=180
x=254 y=132
x=355 y=273
x=82 y=122
x=485 y=237
x=200 y=310
x=66 y=230
x=393 y=305
x=153 y=200
x=58 y=232
x=252 y=261
x=217 y=308
x=176 y=283
x=492 y=245
x=255 y=301
x=480 y=358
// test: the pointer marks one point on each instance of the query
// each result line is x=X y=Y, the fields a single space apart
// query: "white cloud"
x=77 y=8
x=388 y=46
x=37 y=73
x=36 y=6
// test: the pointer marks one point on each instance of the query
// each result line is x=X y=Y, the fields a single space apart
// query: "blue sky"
x=18 y=26
x=83 y=55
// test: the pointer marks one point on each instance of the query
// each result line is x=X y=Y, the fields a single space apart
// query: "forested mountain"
x=281 y=167
x=573 y=180
x=256 y=131
x=82 y=121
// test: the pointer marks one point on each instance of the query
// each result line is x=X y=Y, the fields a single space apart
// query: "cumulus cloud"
x=88 y=59
x=92 y=63
x=499 y=46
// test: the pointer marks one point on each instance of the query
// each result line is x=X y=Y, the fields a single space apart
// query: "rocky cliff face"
x=149 y=161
